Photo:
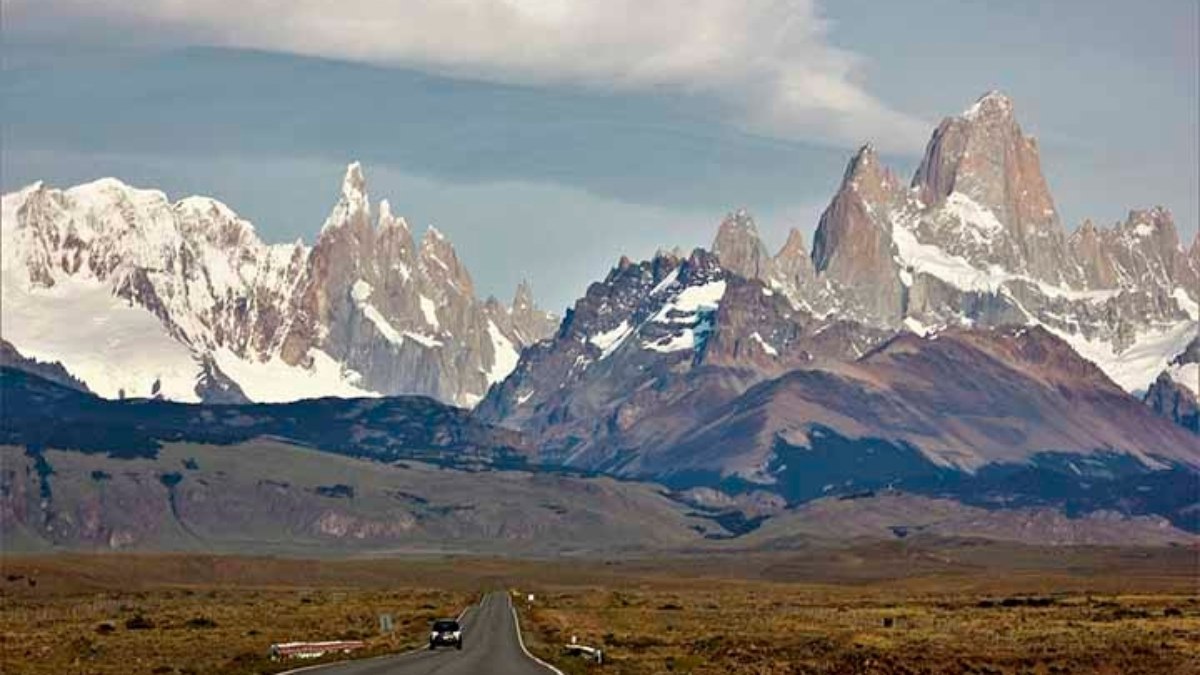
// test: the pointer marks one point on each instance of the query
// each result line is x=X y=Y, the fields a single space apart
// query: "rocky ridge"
x=975 y=239
x=186 y=294
x=941 y=333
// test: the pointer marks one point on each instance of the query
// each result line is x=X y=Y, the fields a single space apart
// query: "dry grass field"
x=873 y=609
x=757 y=628
x=131 y=614
x=989 y=610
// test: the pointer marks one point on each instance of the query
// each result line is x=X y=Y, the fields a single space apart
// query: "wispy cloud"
x=769 y=63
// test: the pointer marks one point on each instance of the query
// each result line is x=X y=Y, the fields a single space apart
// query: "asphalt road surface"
x=491 y=646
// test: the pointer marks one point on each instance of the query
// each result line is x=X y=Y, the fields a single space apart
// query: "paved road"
x=491 y=646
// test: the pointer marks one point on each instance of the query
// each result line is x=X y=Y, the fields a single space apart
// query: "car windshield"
x=445 y=626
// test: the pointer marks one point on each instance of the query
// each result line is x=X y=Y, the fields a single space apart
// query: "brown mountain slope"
x=891 y=515
x=266 y=496
x=964 y=398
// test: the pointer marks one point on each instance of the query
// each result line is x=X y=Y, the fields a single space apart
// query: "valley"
x=513 y=337
x=896 y=607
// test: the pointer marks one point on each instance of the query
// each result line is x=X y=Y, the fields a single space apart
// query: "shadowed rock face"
x=53 y=372
x=366 y=308
x=42 y=414
x=1174 y=394
x=1174 y=402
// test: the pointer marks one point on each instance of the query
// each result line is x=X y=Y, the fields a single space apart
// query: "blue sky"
x=547 y=137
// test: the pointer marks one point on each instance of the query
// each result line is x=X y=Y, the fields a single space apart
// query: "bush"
x=139 y=622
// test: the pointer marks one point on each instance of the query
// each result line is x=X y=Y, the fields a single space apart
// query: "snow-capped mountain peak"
x=354 y=204
x=994 y=103
x=185 y=294
x=977 y=241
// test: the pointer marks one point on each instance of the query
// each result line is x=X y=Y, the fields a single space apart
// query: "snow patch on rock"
x=978 y=221
x=429 y=310
x=1135 y=368
x=766 y=347
x=504 y=354
x=274 y=381
x=690 y=301
x=608 y=341
x=117 y=348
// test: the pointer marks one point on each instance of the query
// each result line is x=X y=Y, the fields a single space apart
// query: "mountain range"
x=409 y=474
x=946 y=337
x=190 y=305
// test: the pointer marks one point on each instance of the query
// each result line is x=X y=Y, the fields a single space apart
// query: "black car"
x=446 y=632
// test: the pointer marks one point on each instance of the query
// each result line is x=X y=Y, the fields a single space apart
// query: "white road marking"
x=521 y=640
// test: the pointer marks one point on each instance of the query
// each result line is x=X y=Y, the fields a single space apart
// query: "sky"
x=547 y=138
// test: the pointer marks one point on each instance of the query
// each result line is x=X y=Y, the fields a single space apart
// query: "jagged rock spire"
x=402 y=315
x=793 y=261
x=983 y=156
x=354 y=206
x=1144 y=249
x=440 y=265
x=523 y=296
x=740 y=249
x=853 y=242
x=528 y=320
x=866 y=174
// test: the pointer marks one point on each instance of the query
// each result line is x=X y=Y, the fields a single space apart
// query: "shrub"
x=139 y=622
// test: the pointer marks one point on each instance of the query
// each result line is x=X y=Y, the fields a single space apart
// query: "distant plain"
x=914 y=606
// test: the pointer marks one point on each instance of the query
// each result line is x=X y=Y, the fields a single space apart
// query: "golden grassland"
x=990 y=610
x=875 y=609
x=212 y=615
x=766 y=628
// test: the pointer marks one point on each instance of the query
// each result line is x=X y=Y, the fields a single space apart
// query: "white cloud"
x=769 y=62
